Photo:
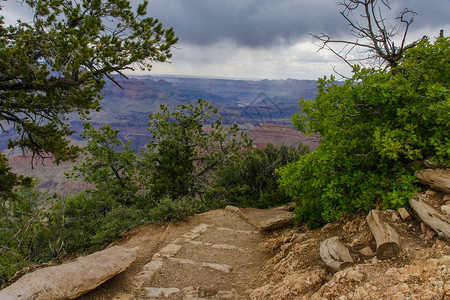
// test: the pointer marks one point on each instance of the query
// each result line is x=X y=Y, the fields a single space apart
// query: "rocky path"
x=215 y=255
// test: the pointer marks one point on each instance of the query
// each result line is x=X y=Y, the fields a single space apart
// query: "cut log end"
x=386 y=237
x=334 y=254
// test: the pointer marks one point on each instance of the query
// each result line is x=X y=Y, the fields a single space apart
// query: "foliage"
x=9 y=180
x=183 y=155
x=92 y=220
x=158 y=185
x=250 y=180
x=373 y=128
x=56 y=64
x=169 y=209
x=25 y=237
x=110 y=164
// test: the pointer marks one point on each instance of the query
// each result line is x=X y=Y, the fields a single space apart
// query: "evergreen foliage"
x=374 y=128
x=57 y=64
x=250 y=179
x=182 y=156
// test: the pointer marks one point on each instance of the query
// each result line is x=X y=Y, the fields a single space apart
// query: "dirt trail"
x=215 y=255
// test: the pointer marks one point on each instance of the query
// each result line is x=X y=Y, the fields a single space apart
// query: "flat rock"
x=164 y=292
x=71 y=280
x=265 y=219
x=446 y=209
x=404 y=214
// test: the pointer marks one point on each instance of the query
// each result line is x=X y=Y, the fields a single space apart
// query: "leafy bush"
x=92 y=220
x=373 y=127
x=249 y=179
x=169 y=209
x=26 y=237
x=182 y=156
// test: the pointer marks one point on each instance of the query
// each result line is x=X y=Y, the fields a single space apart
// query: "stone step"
x=221 y=236
x=216 y=254
x=183 y=272
x=189 y=293
x=219 y=267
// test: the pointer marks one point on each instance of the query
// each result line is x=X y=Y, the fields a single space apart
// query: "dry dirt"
x=227 y=241
x=283 y=264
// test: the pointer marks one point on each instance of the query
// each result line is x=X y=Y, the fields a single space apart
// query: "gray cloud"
x=249 y=23
x=266 y=23
x=261 y=38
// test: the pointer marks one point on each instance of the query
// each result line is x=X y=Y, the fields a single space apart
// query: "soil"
x=281 y=264
x=228 y=240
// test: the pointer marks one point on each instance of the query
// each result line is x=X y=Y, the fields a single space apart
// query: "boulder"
x=73 y=279
x=264 y=219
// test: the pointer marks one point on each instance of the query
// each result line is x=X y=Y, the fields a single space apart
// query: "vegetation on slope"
x=374 y=129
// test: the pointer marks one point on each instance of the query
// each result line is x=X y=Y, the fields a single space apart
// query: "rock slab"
x=71 y=280
x=264 y=219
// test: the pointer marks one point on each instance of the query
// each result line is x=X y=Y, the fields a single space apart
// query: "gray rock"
x=404 y=214
x=71 y=280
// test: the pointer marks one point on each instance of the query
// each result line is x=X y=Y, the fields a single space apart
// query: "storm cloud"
x=266 y=23
x=262 y=38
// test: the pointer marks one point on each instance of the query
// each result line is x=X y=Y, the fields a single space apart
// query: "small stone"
x=170 y=250
x=446 y=209
x=223 y=268
x=154 y=265
x=361 y=293
x=393 y=272
x=191 y=235
x=395 y=216
x=232 y=208
x=157 y=292
x=423 y=227
x=227 y=294
x=446 y=198
x=367 y=251
x=190 y=292
x=201 y=228
x=430 y=233
x=353 y=275
x=142 y=277
x=430 y=193
x=123 y=297
x=404 y=214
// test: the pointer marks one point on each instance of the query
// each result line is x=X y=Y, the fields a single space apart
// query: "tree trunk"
x=436 y=178
x=334 y=254
x=437 y=221
x=386 y=237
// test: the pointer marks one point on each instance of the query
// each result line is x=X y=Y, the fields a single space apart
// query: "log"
x=334 y=254
x=436 y=178
x=437 y=221
x=386 y=237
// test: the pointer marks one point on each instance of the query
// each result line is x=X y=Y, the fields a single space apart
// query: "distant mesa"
x=275 y=134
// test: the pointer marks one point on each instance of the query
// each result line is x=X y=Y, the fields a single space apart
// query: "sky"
x=264 y=39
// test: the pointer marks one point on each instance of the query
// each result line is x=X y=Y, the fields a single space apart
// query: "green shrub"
x=373 y=127
x=174 y=210
x=25 y=237
x=250 y=180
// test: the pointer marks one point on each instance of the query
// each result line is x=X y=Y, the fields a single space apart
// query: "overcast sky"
x=265 y=38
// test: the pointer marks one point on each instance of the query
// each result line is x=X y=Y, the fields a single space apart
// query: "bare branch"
x=372 y=32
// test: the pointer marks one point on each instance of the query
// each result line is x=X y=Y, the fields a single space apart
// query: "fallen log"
x=437 y=221
x=436 y=178
x=386 y=237
x=334 y=254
